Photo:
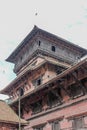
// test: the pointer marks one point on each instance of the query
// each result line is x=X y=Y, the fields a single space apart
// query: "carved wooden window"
x=53 y=99
x=55 y=125
x=37 y=81
x=78 y=123
x=53 y=48
x=20 y=91
x=37 y=107
x=75 y=90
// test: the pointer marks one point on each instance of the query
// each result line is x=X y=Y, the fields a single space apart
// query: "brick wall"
x=64 y=115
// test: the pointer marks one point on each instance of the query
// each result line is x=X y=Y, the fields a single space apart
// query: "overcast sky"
x=65 y=18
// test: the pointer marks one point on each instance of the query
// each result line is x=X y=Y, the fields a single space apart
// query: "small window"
x=39 y=43
x=37 y=107
x=53 y=99
x=38 y=81
x=53 y=48
x=21 y=91
x=75 y=90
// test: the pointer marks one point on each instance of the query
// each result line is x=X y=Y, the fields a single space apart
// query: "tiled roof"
x=7 y=115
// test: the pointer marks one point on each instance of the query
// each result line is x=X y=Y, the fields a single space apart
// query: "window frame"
x=75 y=123
x=40 y=127
x=56 y=122
x=35 y=81
x=53 y=48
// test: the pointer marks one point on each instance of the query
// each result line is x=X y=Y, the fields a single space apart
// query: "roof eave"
x=15 y=123
x=16 y=50
x=34 y=31
x=82 y=50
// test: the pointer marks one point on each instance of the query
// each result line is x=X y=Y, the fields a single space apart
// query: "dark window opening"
x=39 y=43
x=53 y=100
x=84 y=82
x=59 y=69
x=75 y=90
x=53 y=48
x=38 y=81
x=37 y=107
x=21 y=91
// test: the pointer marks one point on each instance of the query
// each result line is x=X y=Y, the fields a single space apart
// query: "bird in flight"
x=36 y=14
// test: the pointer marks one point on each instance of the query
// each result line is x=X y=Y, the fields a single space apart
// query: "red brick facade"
x=4 y=126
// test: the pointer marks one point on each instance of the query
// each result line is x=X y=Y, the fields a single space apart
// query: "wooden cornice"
x=44 y=34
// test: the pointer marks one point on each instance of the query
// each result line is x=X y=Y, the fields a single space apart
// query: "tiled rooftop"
x=7 y=115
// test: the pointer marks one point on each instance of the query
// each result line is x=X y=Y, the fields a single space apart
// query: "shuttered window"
x=78 y=123
x=55 y=125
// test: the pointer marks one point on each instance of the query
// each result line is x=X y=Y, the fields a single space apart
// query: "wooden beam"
x=62 y=87
x=79 y=82
x=84 y=68
x=65 y=91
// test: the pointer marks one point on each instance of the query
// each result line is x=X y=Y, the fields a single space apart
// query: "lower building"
x=8 y=118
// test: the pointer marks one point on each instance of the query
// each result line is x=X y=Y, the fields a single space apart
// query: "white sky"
x=65 y=18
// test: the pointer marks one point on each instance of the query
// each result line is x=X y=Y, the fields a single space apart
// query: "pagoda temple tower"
x=52 y=82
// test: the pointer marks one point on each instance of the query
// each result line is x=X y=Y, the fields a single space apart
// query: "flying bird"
x=36 y=14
